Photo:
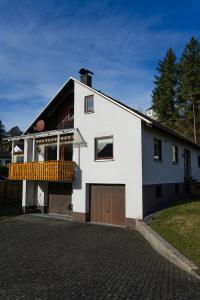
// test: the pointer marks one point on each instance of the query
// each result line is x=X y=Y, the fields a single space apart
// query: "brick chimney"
x=86 y=76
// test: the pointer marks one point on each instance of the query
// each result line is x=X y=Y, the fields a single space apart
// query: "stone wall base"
x=159 y=196
x=130 y=223
x=84 y=217
x=32 y=209
x=79 y=217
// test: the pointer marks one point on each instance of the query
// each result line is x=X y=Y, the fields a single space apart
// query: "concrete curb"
x=7 y=219
x=4 y=220
x=165 y=249
x=51 y=216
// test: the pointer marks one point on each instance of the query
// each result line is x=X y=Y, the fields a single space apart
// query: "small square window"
x=104 y=148
x=89 y=104
x=157 y=150
x=174 y=154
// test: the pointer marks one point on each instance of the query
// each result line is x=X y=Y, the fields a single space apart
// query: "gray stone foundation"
x=159 y=196
x=34 y=209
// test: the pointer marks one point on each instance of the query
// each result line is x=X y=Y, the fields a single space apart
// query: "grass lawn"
x=180 y=225
x=10 y=210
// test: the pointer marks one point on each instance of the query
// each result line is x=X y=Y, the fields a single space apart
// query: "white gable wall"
x=126 y=168
x=165 y=172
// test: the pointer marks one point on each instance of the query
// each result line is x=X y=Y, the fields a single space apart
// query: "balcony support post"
x=58 y=147
x=12 y=155
x=79 y=155
x=33 y=153
x=25 y=150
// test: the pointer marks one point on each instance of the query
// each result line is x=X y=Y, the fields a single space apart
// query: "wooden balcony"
x=42 y=170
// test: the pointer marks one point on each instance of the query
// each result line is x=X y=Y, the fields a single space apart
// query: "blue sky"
x=42 y=43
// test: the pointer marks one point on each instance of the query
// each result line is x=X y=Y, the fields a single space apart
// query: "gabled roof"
x=156 y=124
x=92 y=89
x=117 y=102
x=50 y=103
x=144 y=118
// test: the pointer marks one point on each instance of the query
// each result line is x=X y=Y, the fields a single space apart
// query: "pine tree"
x=189 y=91
x=2 y=133
x=164 y=93
x=2 y=130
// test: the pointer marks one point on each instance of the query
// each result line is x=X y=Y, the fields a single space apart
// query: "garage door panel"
x=107 y=204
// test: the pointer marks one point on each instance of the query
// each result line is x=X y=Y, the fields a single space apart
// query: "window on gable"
x=104 y=148
x=198 y=160
x=89 y=104
x=174 y=154
x=157 y=150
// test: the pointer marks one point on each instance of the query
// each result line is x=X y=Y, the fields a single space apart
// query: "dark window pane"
x=50 y=152
x=104 y=148
x=174 y=154
x=67 y=151
x=157 y=150
x=199 y=161
x=19 y=159
x=89 y=104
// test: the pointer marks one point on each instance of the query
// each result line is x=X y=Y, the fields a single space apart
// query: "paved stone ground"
x=55 y=259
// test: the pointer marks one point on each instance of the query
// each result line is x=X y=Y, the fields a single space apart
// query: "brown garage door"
x=60 y=198
x=107 y=204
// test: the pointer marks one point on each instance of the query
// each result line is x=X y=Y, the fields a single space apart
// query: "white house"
x=151 y=113
x=93 y=158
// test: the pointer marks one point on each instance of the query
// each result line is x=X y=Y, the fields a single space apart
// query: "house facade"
x=92 y=158
x=151 y=113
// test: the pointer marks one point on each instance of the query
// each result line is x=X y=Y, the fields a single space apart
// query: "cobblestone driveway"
x=54 y=259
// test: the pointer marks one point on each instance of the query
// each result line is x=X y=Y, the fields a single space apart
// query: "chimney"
x=85 y=76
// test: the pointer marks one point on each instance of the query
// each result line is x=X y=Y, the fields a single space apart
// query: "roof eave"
x=174 y=133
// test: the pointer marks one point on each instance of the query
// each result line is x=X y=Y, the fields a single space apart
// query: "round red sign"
x=40 y=125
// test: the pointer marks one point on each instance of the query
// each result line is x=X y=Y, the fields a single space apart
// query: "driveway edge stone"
x=5 y=220
x=165 y=249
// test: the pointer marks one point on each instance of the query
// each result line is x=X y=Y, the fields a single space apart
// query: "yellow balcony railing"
x=42 y=170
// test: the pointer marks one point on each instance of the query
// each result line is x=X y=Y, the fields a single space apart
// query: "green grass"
x=10 y=210
x=180 y=225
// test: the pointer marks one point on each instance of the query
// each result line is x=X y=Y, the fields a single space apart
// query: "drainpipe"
x=58 y=147
x=33 y=154
x=12 y=155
